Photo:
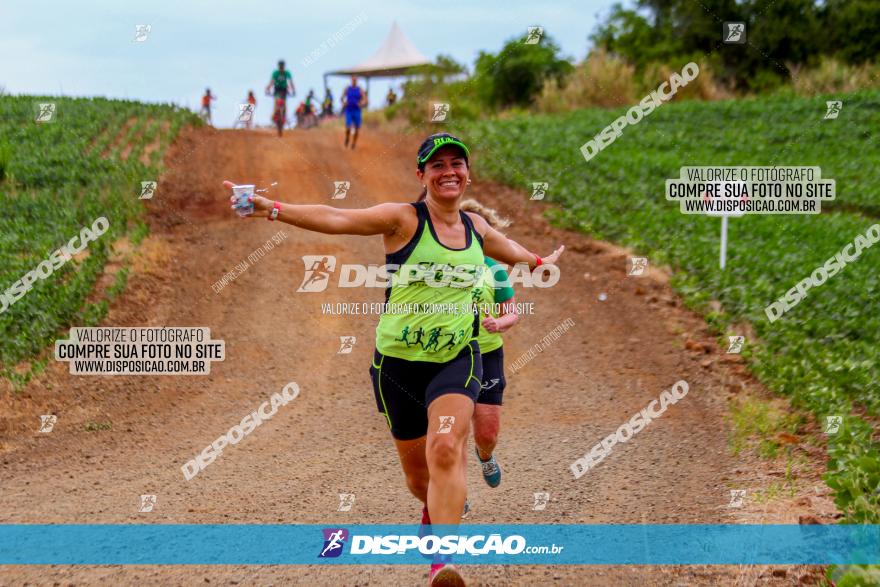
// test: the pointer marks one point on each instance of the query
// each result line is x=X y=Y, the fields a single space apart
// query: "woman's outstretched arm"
x=380 y=219
x=507 y=250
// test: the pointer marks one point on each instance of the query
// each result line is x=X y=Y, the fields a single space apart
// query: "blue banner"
x=269 y=544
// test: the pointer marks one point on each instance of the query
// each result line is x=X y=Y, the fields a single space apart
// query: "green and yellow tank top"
x=492 y=290
x=429 y=314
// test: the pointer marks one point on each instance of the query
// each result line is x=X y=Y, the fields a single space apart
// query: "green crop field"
x=57 y=177
x=825 y=352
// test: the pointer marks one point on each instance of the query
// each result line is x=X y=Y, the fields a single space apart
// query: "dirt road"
x=625 y=348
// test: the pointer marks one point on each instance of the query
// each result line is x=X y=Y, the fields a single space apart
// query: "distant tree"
x=778 y=32
x=851 y=29
x=517 y=73
x=443 y=67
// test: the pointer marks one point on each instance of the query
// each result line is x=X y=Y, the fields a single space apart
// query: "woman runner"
x=426 y=369
x=495 y=298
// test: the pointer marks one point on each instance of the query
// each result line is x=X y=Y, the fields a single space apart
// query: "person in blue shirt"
x=353 y=99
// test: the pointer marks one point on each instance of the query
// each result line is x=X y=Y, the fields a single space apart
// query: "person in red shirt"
x=252 y=100
x=205 y=112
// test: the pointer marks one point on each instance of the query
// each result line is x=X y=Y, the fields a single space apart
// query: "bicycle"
x=279 y=114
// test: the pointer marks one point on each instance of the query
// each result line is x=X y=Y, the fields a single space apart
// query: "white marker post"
x=722 y=253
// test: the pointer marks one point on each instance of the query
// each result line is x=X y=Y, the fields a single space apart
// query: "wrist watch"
x=273 y=214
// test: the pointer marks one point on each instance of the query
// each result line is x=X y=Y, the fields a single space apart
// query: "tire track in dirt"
x=619 y=356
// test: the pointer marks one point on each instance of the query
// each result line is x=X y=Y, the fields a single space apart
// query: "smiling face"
x=446 y=173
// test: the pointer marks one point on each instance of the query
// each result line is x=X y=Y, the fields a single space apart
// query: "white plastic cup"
x=241 y=193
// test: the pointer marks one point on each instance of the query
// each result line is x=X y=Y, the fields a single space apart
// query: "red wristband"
x=538 y=259
x=273 y=214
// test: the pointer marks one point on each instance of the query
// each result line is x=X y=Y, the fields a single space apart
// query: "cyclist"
x=281 y=85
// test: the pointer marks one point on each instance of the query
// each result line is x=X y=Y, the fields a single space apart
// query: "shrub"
x=599 y=80
x=833 y=76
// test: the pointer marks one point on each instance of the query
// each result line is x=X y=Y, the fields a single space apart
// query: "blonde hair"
x=494 y=219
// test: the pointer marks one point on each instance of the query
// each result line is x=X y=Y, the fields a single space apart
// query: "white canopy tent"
x=396 y=56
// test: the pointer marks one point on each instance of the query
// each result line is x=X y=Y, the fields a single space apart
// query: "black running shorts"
x=493 y=383
x=405 y=389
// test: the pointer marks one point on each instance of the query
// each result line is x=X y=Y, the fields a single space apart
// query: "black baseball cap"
x=434 y=142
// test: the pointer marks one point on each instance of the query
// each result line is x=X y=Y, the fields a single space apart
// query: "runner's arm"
x=380 y=219
x=507 y=250
x=507 y=317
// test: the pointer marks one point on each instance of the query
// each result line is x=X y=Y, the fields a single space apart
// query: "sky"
x=87 y=48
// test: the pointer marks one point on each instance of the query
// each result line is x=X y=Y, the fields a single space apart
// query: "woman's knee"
x=444 y=451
